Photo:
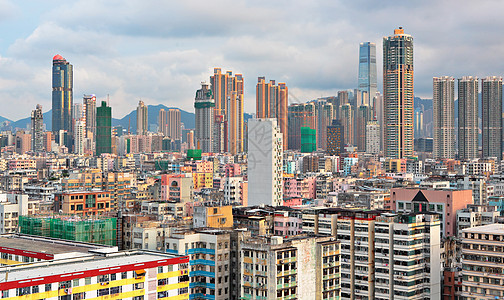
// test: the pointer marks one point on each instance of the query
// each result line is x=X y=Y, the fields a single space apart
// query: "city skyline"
x=147 y=61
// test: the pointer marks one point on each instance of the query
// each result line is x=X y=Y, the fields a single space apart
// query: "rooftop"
x=50 y=246
x=66 y=266
x=486 y=229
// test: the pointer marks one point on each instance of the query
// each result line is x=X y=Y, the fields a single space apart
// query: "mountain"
x=185 y=117
x=23 y=123
x=2 y=119
x=153 y=112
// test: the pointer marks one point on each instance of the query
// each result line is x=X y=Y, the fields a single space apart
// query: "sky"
x=160 y=51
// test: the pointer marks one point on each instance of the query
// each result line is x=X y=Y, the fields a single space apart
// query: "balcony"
x=202 y=296
x=202 y=284
x=201 y=250
x=202 y=273
x=204 y=262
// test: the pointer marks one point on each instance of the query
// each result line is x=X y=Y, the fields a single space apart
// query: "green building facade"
x=103 y=129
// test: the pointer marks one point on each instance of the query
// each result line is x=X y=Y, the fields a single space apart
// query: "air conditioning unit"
x=68 y=291
x=104 y=283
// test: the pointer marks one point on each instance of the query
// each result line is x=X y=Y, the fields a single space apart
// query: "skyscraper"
x=347 y=120
x=89 y=107
x=79 y=136
x=265 y=162
x=62 y=94
x=228 y=90
x=103 y=129
x=491 y=101
x=367 y=72
x=398 y=94
x=204 y=106
x=142 y=118
x=300 y=115
x=325 y=115
x=468 y=117
x=363 y=117
x=37 y=129
x=443 y=106
x=335 y=139
x=272 y=101
x=162 y=126
x=173 y=124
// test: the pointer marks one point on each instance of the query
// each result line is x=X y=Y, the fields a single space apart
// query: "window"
x=48 y=287
x=75 y=282
x=160 y=269
x=35 y=289
x=87 y=281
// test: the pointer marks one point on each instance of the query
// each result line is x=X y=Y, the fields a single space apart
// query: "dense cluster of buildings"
x=342 y=197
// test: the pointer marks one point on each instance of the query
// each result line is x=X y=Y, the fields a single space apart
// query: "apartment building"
x=407 y=260
x=299 y=267
x=120 y=275
x=483 y=262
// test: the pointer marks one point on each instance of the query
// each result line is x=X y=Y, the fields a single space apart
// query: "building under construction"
x=90 y=230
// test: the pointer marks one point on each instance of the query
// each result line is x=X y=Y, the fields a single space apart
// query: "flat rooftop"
x=47 y=245
x=66 y=266
x=486 y=229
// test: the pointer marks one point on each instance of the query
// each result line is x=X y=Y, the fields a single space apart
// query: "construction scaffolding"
x=96 y=230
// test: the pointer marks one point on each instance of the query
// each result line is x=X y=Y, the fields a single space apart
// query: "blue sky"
x=159 y=51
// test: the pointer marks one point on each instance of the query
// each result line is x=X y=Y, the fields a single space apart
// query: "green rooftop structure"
x=308 y=140
x=99 y=231
x=194 y=154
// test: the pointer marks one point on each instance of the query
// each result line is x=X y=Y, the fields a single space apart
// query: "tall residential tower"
x=37 y=129
x=204 y=106
x=468 y=117
x=491 y=101
x=398 y=94
x=142 y=118
x=444 y=120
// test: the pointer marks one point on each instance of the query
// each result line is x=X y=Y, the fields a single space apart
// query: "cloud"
x=160 y=51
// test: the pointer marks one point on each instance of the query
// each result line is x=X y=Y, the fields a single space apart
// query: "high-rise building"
x=468 y=117
x=407 y=260
x=37 y=129
x=398 y=94
x=325 y=115
x=367 y=72
x=481 y=263
x=103 y=129
x=235 y=123
x=228 y=94
x=335 y=138
x=300 y=115
x=174 y=127
x=372 y=137
x=347 y=120
x=204 y=117
x=363 y=117
x=162 y=126
x=272 y=102
x=89 y=115
x=491 y=101
x=265 y=162
x=79 y=137
x=62 y=95
x=444 y=120
x=142 y=118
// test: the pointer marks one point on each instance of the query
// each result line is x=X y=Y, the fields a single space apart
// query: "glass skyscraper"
x=367 y=73
x=62 y=95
